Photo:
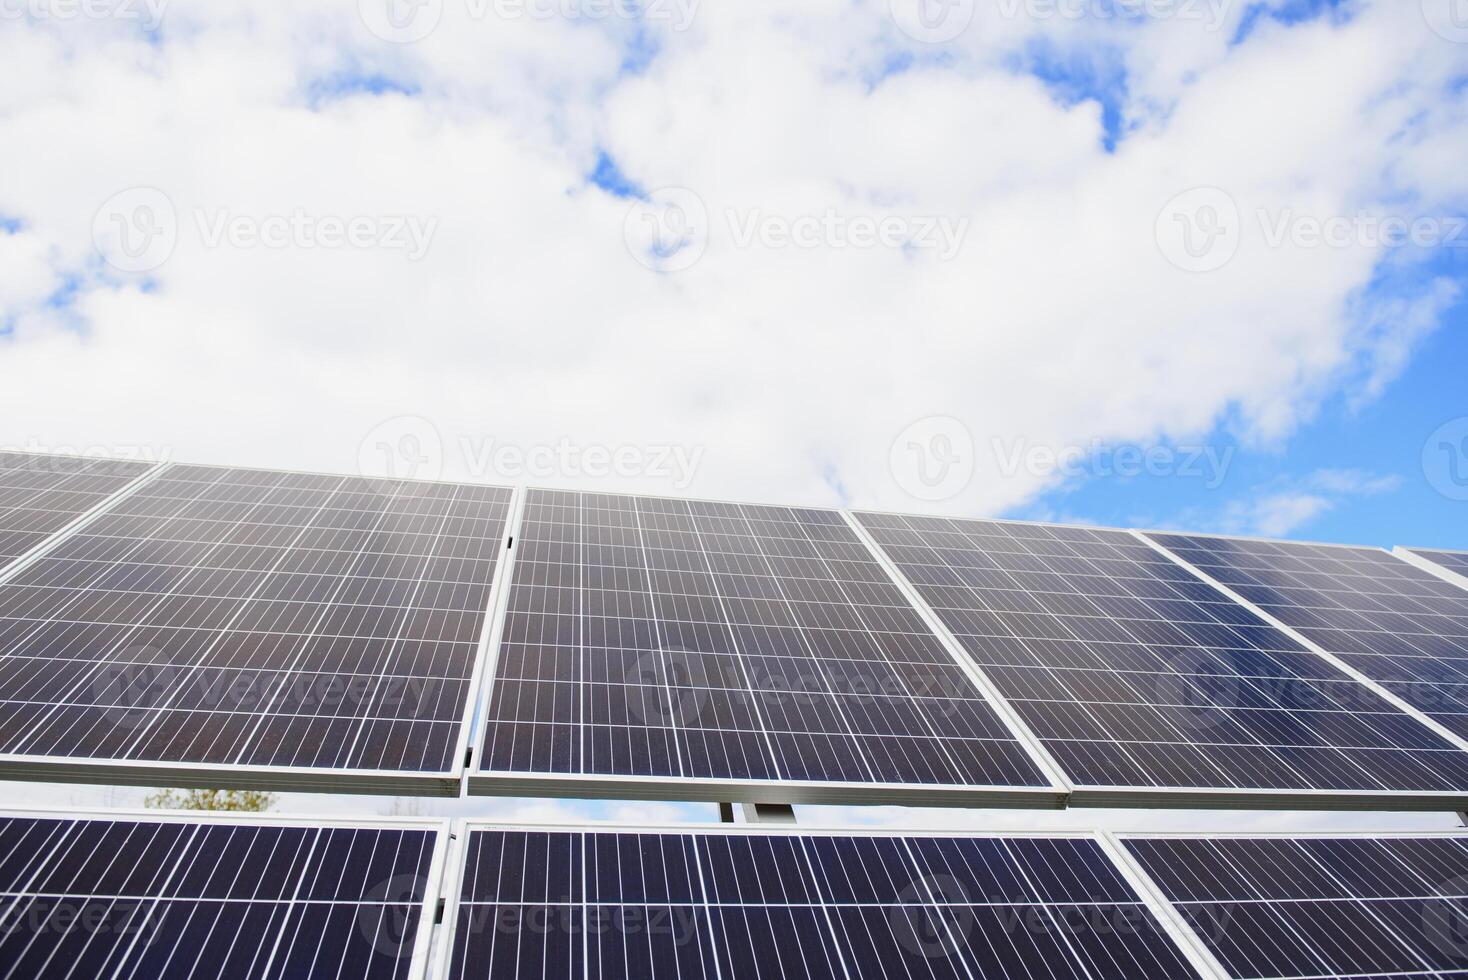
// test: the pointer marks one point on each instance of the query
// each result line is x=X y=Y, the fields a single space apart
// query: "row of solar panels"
x=203 y=625
x=179 y=896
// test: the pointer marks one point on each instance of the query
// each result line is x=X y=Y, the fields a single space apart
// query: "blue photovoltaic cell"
x=1134 y=673
x=1270 y=908
x=42 y=494
x=255 y=618
x=651 y=905
x=1397 y=624
x=180 y=900
x=683 y=639
x=1453 y=561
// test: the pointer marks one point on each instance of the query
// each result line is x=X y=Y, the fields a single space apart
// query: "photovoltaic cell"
x=1397 y=624
x=750 y=905
x=239 y=618
x=1453 y=561
x=1133 y=673
x=42 y=494
x=172 y=900
x=677 y=639
x=1295 y=907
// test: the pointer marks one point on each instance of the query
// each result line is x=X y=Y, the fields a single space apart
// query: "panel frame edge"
x=1412 y=557
x=1182 y=934
x=1292 y=633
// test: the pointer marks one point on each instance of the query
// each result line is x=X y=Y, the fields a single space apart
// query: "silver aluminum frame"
x=284 y=779
x=432 y=890
x=1296 y=635
x=1220 y=798
x=483 y=782
x=1414 y=556
x=1124 y=859
x=1183 y=939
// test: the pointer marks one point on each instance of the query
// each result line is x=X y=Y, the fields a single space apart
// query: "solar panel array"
x=1133 y=673
x=42 y=494
x=1453 y=561
x=229 y=619
x=1397 y=624
x=177 y=899
x=750 y=905
x=688 y=640
x=1297 y=907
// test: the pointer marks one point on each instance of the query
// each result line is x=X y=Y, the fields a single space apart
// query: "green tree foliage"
x=229 y=800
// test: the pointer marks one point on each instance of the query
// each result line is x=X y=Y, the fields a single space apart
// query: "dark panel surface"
x=1397 y=624
x=174 y=900
x=1134 y=673
x=1320 y=907
x=41 y=494
x=255 y=618
x=666 y=905
x=689 y=639
x=1453 y=561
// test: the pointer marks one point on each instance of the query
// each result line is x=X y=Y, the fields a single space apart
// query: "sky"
x=1190 y=264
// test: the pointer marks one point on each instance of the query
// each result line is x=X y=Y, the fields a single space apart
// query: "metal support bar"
x=768 y=813
x=726 y=813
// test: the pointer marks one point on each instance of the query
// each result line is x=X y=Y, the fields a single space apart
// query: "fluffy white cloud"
x=788 y=370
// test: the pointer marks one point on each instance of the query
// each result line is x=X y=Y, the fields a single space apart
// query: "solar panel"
x=1402 y=627
x=737 y=903
x=1147 y=685
x=176 y=897
x=42 y=494
x=686 y=649
x=254 y=628
x=1319 y=906
x=1449 y=565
